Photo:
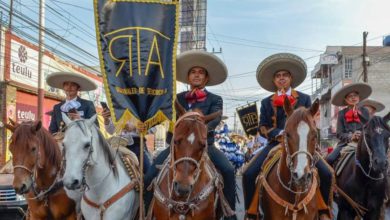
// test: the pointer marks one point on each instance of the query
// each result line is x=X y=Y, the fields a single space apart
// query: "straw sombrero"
x=57 y=80
x=216 y=69
x=375 y=104
x=281 y=61
x=363 y=89
x=224 y=117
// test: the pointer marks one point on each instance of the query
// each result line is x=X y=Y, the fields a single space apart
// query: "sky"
x=248 y=31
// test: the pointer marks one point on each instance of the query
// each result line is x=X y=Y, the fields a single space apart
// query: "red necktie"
x=279 y=101
x=195 y=95
x=352 y=116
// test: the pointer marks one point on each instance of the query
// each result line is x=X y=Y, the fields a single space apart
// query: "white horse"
x=93 y=166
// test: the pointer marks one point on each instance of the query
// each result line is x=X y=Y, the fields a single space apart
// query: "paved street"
x=240 y=202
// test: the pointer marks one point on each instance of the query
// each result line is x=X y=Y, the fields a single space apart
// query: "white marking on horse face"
x=191 y=138
x=378 y=130
x=303 y=131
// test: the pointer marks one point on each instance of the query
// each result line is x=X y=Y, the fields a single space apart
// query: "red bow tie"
x=279 y=101
x=352 y=116
x=195 y=96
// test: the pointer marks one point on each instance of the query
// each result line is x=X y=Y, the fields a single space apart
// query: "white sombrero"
x=363 y=89
x=216 y=69
x=57 y=80
x=281 y=61
x=375 y=104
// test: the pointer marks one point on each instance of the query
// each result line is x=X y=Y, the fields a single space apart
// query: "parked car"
x=12 y=205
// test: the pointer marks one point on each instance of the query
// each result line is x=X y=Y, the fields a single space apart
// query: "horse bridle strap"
x=103 y=207
x=289 y=206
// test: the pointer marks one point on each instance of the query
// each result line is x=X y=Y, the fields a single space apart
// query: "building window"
x=348 y=68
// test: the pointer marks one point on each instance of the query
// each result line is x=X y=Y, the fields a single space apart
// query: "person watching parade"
x=350 y=120
x=131 y=134
x=280 y=74
x=200 y=69
x=74 y=106
x=372 y=106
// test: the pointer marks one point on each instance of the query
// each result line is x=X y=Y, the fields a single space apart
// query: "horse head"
x=299 y=141
x=28 y=145
x=189 y=146
x=374 y=144
x=80 y=143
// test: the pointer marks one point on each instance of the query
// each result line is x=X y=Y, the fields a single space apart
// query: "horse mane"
x=23 y=134
x=110 y=159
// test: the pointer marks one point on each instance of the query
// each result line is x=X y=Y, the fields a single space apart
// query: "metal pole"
x=365 y=79
x=141 y=187
x=41 y=92
x=11 y=11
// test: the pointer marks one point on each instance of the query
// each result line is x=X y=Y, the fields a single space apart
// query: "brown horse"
x=37 y=164
x=188 y=185
x=289 y=191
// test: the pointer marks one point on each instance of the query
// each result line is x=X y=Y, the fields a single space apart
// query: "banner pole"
x=141 y=187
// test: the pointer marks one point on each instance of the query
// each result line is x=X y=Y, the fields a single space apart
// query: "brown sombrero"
x=375 y=104
x=363 y=89
x=281 y=61
x=216 y=69
x=57 y=80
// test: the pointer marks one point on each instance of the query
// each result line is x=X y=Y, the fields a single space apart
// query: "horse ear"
x=12 y=122
x=386 y=118
x=287 y=107
x=10 y=127
x=65 y=118
x=314 y=107
x=212 y=116
x=91 y=121
x=180 y=110
x=37 y=125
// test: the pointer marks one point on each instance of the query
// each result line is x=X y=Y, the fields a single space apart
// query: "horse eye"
x=33 y=149
x=86 y=146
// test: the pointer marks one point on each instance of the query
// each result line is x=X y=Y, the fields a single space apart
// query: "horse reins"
x=183 y=207
x=357 y=162
x=289 y=162
x=33 y=175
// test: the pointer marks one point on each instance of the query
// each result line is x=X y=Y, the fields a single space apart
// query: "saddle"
x=345 y=155
x=130 y=160
x=272 y=158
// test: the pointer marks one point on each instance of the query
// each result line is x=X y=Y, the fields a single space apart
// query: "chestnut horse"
x=36 y=159
x=188 y=186
x=289 y=191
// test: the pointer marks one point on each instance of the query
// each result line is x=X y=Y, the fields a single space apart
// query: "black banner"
x=249 y=118
x=137 y=47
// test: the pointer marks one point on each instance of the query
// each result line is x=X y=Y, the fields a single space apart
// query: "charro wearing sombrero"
x=372 y=106
x=280 y=74
x=200 y=69
x=74 y=106
x=350 y=120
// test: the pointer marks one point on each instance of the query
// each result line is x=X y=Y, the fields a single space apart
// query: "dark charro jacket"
x=213 y=103
x=270 y=124
x=344 y=129
x=87 y=109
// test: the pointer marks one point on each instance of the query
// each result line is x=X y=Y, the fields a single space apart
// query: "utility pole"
x=235 y=123
x=11 y=11
x=365 y=58
x=41 y=92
